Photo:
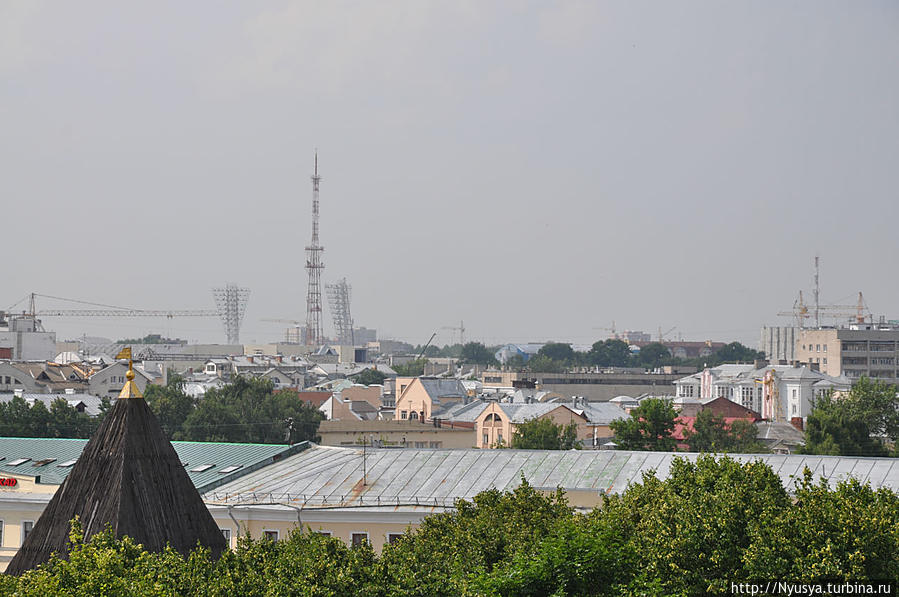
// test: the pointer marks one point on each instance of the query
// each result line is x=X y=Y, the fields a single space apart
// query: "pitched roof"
x=428 y=479
x=130 y=478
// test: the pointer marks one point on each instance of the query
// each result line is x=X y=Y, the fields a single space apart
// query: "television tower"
x=314 y=267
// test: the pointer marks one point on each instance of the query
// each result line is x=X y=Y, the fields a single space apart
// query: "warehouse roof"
x=52 y=459
x=333 y=477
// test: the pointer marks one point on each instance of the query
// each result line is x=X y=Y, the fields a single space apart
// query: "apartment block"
x=868 y=350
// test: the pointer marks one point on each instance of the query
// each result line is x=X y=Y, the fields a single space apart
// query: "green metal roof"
x=223 y=457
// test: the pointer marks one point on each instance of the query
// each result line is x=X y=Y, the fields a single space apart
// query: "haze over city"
x=536 y=170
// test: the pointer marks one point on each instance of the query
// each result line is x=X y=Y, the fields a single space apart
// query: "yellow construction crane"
x=858 y=312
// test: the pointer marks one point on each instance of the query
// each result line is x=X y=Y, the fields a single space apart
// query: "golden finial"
x=130 y=389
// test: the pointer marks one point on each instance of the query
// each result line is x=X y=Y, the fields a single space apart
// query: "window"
x=270 y=535
x=44 y=462
x=404 y=415
x=817 y=348
x=356 y=539
x=825 y=360
x=230 y=469
x=67 y=463
x=499 y=436
x=414 y=416
x=794 y=393
x=421 y=444
x=825 y=348
x=17 y=461
x=7 y=380
x=486 y=439
x=226 y=533
x=793 y=409
x=393 y=537
x=1 y=533
x=436 y=445
x=27 y=527
x=201 y=468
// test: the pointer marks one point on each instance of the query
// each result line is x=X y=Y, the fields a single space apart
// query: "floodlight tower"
x=231 y=304
x=314 y=267
x=339 y=301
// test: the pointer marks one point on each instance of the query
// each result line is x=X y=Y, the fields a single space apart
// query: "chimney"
x=250 y=359
x=279 y=358
x=760 y=363
x=797 y=423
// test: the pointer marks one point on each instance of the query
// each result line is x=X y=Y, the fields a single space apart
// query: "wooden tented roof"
x=130 y=478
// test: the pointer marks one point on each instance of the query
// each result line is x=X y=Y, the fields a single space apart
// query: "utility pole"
x=314 y=267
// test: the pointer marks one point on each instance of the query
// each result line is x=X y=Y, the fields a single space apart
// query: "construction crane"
x=663 y=334
x=107 y=310
x=422 y=353
x=858 y=312
x=460 y=329
x=612 y=331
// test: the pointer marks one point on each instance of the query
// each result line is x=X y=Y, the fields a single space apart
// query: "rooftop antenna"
x=314 y=267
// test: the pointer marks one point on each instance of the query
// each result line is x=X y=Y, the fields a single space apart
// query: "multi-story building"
x=792 y=389
x=779 y=343
x=864 y=349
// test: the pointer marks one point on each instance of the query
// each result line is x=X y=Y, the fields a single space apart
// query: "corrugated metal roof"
x=248 y=456
x=332 y=476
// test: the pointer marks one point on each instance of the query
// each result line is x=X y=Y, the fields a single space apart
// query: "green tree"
x=477 y=354
x=370 y=377
x=734 y=352
x=840 y=427
x=544 y=434
x=559 y=352
x=649 y=427
x=248 y=411
x=413 y=368
x=653 y=355
x=712 y=434
x=170 y=404
x=609 y=353
x=543 y=364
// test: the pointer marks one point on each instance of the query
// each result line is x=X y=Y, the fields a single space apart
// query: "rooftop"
x=52 y=458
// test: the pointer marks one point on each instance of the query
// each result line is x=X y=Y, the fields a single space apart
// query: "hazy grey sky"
x=536 y=169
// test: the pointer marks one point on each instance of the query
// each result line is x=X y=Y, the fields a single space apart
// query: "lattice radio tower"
x=314 y=267
x=231 y=304
x=339 y=302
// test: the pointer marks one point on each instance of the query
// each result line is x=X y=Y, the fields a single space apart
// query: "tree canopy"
x=854 y=424
x=19 y=419
x=544 y=434
x=710 y=522
x=477 y=354
x=248 y=410
x=711 y=434
x=649 y=427
x=370 y=377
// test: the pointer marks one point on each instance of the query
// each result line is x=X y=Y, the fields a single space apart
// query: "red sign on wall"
x=8 y=482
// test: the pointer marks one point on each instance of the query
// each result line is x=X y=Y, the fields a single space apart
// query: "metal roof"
x=332 y=477
x=249 y=456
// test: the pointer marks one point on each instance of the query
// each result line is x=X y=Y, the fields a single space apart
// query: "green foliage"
x=653 y=355
x=411 y=369
x=710 y=522
x=649 y=427
x=544 y=434
x=170 y=404
x=543 y=364
x=248 y=411
x=609 y=353
x=18 y=419
x=733 y=353
x=478 y=354
x=370 y=377
x=846 y=425
x=711 y=434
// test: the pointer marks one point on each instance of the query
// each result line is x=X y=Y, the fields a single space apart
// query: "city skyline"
x=536 y=171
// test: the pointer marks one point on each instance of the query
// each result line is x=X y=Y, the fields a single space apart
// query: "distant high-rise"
x=314 y=267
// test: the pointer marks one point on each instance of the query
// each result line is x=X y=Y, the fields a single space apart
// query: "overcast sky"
x=536 y=169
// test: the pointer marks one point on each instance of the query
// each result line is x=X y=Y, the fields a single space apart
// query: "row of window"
x=815 y=347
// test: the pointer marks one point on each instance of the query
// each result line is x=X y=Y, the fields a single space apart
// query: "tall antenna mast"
x=817 y=290
x=314 y=267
